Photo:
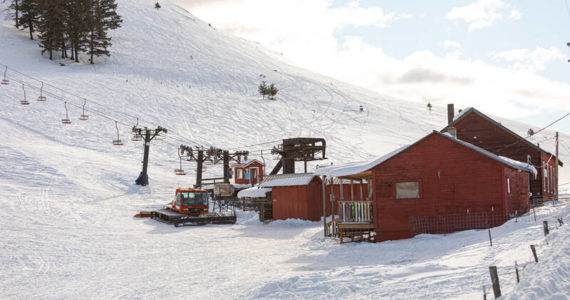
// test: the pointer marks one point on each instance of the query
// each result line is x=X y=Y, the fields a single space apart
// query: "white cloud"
x=304 y=31
x=529 y=60
x=451 y=44
x=515 y=14
x=480 y=14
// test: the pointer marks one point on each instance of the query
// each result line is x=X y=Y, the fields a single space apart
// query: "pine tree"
x=262 y=89
x=102 y=17
x=50 y=25
x=15 y=7
x=76 y=28
x=272 y=91
x=29 y=15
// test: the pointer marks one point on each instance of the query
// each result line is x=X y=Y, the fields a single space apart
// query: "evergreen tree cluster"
x=267 y=90
x=68 y=26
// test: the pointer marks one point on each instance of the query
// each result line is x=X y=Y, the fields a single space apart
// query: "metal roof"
x=253 y=192
x=359 y=167
x=470 y=110
x=287 y=180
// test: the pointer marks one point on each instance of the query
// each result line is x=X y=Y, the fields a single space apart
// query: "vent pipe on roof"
x=453 y=131
x=450 y=113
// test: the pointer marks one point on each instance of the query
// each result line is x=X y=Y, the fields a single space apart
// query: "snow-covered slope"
x=67 y=194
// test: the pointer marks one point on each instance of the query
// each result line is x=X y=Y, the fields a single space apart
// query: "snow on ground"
x=67 y=195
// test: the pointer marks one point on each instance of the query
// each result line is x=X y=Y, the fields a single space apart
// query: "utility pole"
x=149 y=135
x=214 y=155
x=556 y=164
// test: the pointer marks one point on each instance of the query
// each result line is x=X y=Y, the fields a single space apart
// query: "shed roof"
x=253 y=192
x=471 y=110
x=287 y=180
x=247 y=163
x=360 y=167
x=356 y=167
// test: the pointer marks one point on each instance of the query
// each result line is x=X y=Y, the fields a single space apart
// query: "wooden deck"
x=356 y=232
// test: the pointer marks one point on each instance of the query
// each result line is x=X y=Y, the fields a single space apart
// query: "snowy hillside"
x=67 y=194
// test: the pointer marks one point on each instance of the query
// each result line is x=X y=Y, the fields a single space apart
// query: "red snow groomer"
x=189 y=207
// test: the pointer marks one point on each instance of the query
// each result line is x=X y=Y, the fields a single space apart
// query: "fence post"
x=516 y=216
x=495 y=281
x=490 y=239
x=484 y=293
x=492 y=216
x=560 y=222
x=467 y=219
x=545 y=225
x=534 y=253
x=517 y=271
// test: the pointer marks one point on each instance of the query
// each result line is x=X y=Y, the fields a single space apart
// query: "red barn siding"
x=479 y=131
x=452 y=179
x=245 y=169
x=298 y=202
x=517 y=201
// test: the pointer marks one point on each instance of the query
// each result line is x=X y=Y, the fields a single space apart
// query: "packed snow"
x=67 y=195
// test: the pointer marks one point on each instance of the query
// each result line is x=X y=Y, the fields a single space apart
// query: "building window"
x=407 y=190
x=240 y=173
x=508 y=185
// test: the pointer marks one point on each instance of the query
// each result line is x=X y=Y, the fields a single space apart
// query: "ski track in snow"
x=67 y=194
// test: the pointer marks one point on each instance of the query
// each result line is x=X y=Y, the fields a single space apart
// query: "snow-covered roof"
x=504 y=160
x=470 y=110
x=356 y=167
x=253 y=192
x=359 y=167
x=246 y=163
x=287 y=180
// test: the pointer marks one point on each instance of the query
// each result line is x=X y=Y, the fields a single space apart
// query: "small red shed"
x=479 y=129
x=295 y=196
x=249 y=172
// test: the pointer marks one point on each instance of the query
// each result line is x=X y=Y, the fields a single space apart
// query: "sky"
x=506 y=58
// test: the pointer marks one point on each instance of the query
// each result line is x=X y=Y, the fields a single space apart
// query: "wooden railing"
x=355 y=212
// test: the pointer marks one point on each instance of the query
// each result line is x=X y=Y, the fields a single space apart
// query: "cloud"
x=480 y=14
x=420 y=75
x=529 y=60
x=515 y=14
x=451 y=44
x=306 y=33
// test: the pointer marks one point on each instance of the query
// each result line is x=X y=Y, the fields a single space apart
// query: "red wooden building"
x=476 y=128
x=295 y=196
x=440 y=184
x=249 y=172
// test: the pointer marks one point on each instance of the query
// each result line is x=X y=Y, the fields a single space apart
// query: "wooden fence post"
x=534 y=253
x=517 y=271
x=490 y=239
x=484 y=293
x=495 y=281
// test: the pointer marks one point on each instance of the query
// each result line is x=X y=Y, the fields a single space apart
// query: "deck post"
x=361 y=191
x=324 y=206
x=351 y=190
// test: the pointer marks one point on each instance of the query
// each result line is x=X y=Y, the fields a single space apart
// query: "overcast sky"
x=507 y=58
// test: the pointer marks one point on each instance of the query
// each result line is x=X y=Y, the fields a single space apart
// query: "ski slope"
x=67 y=195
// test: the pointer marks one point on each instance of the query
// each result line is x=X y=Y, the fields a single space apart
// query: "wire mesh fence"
x=455 y=222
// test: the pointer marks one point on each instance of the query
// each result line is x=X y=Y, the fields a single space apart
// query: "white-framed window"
x=508 y=185
x=408 y=190
x=240 y=173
